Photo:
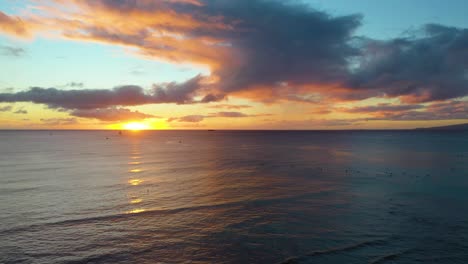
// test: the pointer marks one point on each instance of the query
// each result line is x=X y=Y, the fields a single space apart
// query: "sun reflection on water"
x=136 y=211
x=135 y=167
x=136 y=201
x=135 y=182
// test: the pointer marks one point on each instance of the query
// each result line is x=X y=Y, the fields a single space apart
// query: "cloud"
x=59 y=121
x=7 y=108
x=111 y=114
x=382 y=108
x=130 y=95
x=79 y=99
x=308 y=123
x=450 y=107
x=247 y=44
x=229 y=106
x=12 y=51
x=188 y=118
x=229 y=114
x=7 y=90
x=419 y=116
x=430 y=66
x=137 y=72
x=199 y=118
x=75 y=84
x=265 y=50
x=321 y=110
x=13 y=25
x=21 y=111
x=276 y=50
x=276 y=42
x=181 y=93
x=449 y=110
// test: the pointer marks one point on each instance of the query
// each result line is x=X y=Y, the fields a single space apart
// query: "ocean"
x=233 y=197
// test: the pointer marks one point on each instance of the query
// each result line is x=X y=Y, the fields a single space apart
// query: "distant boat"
x=211 y=130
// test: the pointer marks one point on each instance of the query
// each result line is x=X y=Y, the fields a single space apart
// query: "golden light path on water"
x=135 y=182
x=233 y=197
x=135 y=168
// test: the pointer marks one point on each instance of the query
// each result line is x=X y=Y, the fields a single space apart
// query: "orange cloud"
x=13 y=25
x=265 y=51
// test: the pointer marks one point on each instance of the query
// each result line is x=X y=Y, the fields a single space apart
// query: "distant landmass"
x=452 y=127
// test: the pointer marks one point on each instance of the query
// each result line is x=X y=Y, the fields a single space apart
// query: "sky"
x=224 y=64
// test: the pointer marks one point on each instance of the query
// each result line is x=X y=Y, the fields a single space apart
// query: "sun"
x=136 y=126
x=140 y=125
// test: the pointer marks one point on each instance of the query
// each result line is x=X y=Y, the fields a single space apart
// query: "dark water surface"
x=233 y=197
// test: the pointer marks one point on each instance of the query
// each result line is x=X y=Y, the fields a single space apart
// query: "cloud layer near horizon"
x=199 y=118
x=263 y=50
x=129 y=95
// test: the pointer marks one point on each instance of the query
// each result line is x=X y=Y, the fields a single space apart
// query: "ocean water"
x=233 y=197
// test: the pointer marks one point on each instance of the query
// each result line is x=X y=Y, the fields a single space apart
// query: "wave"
x=332 y=251
x=389 y=257
x=116 y=257
x=17 y=190
x=149 y=212
x=90 y=220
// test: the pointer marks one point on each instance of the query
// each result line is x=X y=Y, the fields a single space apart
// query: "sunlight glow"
x=140 y=125
x=136 y=126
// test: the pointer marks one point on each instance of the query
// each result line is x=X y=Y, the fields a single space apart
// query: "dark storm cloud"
x=424 y=68
x=279 y=41
x=129 y=95
x=111 y=114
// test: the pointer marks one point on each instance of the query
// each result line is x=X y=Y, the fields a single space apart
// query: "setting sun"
x=140 y=125
x=136 y=126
